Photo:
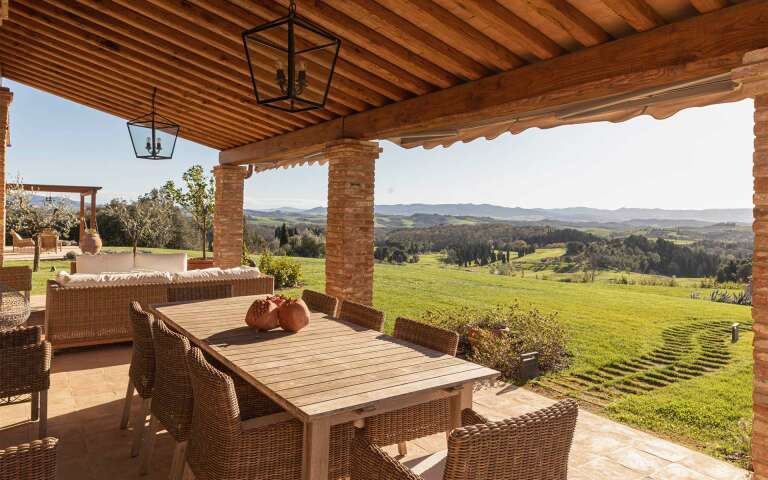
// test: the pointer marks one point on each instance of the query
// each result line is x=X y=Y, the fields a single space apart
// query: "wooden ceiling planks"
x=110 y=53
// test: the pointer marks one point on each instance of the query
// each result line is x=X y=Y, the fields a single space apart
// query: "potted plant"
x=199 y=201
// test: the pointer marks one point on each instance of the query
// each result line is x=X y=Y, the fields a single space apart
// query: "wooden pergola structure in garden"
x=418 y=73
x=83 y=191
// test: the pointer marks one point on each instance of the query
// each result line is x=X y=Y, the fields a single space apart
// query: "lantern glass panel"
x=157 y=146
x=268 y=55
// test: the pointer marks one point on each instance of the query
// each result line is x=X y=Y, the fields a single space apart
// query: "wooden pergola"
x=83 y=191
x=422 y=73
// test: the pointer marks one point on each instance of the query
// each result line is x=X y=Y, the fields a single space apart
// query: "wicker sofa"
x=90 y=315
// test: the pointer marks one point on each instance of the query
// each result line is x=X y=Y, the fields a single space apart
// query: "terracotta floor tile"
x=675 y=471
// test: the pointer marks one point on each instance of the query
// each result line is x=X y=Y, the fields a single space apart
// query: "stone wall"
x=349 y=235
x=228 y=217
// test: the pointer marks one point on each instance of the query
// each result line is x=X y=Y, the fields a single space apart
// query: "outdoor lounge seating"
x=96 y=311
x=199 y=291
x=30 y=461
x=424 y=419
x=49 y=241
x=25 y=369
x=362 y=315
x=20 y=243
x=320 y=302
x=534 y=446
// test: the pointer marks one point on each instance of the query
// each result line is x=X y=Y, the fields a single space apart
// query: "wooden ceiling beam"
x=380 y=54
x=224 y=54
x=638 y=14
x=136 y=71
x=453 y=31
x=706 y=6
x=569 y=18
x=38 y=55
x=504 y=26
x=55 y=88
x=94 y=44
x=154 y=51
x=696 y=48
x=413 y=38
x=127 y=106
x=346 y=65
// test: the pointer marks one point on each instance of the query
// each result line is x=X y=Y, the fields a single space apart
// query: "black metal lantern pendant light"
x=291 y=62
x=153 y=137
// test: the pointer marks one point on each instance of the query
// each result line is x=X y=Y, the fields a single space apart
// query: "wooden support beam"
x=4 y=10
x=638 y=14
x=570 y=19
x=706 y=6
x=697 y=48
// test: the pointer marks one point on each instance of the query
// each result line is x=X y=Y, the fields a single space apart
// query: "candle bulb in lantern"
x=158 y=146
x=280 y=76
x=302 y=81
x=149 y=144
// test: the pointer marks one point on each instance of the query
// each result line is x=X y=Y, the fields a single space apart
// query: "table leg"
x=458 y=403
x=317 y=440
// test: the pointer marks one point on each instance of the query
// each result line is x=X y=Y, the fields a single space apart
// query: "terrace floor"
x=28 y=254
x=88 y=386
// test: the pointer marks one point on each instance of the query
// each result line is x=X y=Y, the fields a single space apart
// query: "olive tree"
x=198 y=199
x=29 y=218
x=148 y=219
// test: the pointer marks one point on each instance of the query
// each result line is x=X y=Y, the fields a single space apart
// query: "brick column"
x=5 y=101
x=228 y=217
x=349 y=232
x=760 y=292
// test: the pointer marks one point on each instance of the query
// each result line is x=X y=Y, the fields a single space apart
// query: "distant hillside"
x=633 y=216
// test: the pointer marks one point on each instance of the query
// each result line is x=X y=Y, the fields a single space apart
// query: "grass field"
x=611 y=326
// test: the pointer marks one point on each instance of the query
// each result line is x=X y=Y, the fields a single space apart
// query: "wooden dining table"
x=329 y=373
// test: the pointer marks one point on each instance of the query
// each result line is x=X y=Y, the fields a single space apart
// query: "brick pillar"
x=760 y=292
x=349 y=232
x=5 y=101
x=228 y=217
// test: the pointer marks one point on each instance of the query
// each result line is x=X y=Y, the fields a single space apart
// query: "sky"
x=699 y=158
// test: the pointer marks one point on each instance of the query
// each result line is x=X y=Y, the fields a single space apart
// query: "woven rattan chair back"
x=320 y=302
x=142 y=371
x=30 y=461
x=534 y=446
x=172 y=395
x=16 y=278
x=199 y=291
x=25 y=362
x=362 y=315
x=435 y=338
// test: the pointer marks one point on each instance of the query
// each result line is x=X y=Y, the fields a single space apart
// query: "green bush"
x=286 y=272
x=502 y=333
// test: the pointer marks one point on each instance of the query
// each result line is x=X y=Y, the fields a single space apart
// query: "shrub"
x=70 y=255
x=502 y=333
x=286 y=272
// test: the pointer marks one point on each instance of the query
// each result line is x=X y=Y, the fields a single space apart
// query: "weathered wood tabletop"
x=330 y=372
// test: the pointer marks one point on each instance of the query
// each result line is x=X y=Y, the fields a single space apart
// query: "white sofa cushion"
x=110 y=262
x=111 y=279
x=216 y=273
x=161 y=262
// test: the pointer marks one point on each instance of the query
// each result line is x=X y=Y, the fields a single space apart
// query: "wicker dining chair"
x=223 y=445
x=534 y=446
x=29 y=461
x=362 y=315
x=421 y=420
x=320 y=302
x=141 y=375
x=190 y=292
x=17 y=278
x=25 y=369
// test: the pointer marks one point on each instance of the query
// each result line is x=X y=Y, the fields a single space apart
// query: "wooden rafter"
x=570 y=19
x=637 y=13
x=4 y=10
x=674 y=53
x=706 y=6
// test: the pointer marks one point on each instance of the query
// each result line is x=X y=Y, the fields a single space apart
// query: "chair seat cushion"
x=111 y=279
x=217 y=273
x=431 y=466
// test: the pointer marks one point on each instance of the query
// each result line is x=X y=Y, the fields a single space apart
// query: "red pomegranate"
x=293 y=315
x=262 y=315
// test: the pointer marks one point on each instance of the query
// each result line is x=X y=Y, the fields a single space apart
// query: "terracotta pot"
x=262 y=315
x=293 y=315
x=90 y=243
x=199 y=263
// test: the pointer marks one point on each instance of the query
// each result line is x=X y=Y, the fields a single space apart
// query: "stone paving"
x=88 y=386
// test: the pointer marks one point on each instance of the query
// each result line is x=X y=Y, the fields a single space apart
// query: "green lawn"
x=607 y=323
